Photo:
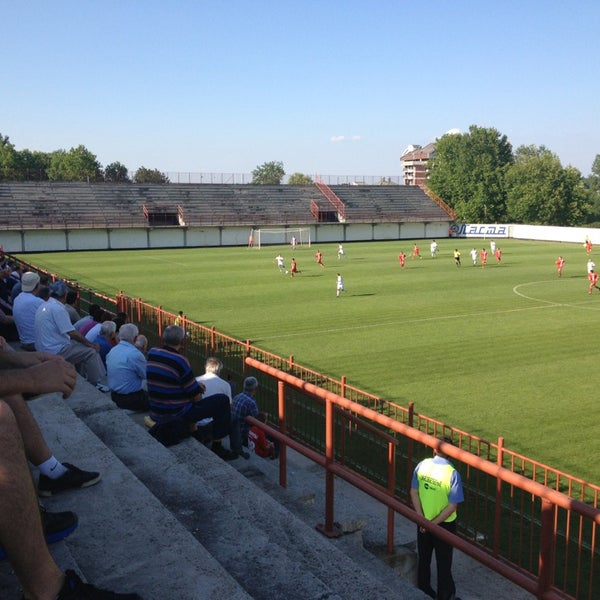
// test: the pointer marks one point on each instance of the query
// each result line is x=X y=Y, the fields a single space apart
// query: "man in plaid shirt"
x=244 y=405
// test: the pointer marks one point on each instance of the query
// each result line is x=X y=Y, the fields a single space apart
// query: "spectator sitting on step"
x=54 y=333
x=24 y=308
x=23 y=525
x=126 y=369
x=60 y=375
x=70 y=306
x=121 y=319
x=44 y=292
x=141 y=343
x=98 y=315
x=176 y=397
x=213 y=383
x=92 y=332
x=106 y=339
x=6 y=285
x=244 y=405
x=93 y=310
x=258 y=442
x=8 y=329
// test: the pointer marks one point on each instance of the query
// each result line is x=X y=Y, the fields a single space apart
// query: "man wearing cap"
x=54 y=333
x=244 y=405
x=25 y=306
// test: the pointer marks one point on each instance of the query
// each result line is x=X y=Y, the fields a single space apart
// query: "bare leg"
x=20 y=526
x=36 y=449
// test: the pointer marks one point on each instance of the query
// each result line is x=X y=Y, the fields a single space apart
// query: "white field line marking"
x=546 y=304
x=403 y=322
x=170 y=262
x=582 y=304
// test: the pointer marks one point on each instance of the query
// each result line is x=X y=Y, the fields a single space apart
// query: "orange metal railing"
x=541 y=581
x=333 y=198
x=451 y=212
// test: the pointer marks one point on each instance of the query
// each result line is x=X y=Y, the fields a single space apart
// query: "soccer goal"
x=267 y=237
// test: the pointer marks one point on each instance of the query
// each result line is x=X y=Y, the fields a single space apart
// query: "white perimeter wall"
x=554 y=234
x=60 y=240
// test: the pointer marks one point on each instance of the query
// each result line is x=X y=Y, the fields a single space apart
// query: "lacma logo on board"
x=478 y=230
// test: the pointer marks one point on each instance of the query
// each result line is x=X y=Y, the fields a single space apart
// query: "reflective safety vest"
x=434 y=488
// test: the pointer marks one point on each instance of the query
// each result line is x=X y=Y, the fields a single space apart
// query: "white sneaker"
x=103 y=388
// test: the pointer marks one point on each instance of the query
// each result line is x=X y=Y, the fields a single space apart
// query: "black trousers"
x=427 y=545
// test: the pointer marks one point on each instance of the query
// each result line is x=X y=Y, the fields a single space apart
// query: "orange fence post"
x=497 y=512
x=282 y=427
x=547 y=544
x=329 y=528
x=392 y=490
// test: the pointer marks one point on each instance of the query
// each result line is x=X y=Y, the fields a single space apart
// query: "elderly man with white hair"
x=54 y=333
x=105 y=338
x=211 y=380
x=126 y=367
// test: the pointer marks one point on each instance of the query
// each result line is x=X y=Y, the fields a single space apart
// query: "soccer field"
x=508 y=350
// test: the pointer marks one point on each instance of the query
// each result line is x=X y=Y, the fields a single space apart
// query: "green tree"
x=116 y=172
x=540 y=191
x=300 y=179
x=33 y=166
x=592 y=184
x=144 y=175
x=8 y=160
x=78 y=164
x=269 y=173
x=467 y=171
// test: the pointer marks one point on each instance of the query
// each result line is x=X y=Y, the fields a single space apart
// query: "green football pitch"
x=506 y=350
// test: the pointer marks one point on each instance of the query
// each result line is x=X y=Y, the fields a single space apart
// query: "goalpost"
x=281 y=236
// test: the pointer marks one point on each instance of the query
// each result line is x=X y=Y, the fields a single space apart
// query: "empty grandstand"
x=46 y=205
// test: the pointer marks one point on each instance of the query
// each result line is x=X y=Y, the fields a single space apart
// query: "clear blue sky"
x=329 y=87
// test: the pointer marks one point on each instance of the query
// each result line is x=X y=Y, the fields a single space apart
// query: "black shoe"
x=74 y=589
x=58 y=525
x=55 y=525
x=74 y=478
x=223 y=452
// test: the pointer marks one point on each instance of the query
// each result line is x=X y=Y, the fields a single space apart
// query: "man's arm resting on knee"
x=42 y=378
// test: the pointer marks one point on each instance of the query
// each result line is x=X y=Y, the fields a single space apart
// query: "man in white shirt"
x=54 y=333
x=24 y=309
x=213 y=384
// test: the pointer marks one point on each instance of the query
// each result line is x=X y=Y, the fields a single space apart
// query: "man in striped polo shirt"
x=175 y=397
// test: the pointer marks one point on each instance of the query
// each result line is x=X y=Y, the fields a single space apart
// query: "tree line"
x=476 y=173
x=483 y=180
x=76 y=164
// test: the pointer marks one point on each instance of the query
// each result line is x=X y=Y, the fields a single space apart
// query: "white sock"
x=52 y=468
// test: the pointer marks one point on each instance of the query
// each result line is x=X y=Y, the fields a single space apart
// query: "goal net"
x=266 y=237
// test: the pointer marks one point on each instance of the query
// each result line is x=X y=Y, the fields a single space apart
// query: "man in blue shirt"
x=126 y=371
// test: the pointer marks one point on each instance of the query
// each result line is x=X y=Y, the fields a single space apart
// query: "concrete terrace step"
x=126 y=539
x=264 y=547
x=179 y=523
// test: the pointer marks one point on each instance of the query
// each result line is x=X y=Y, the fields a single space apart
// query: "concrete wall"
x=554 y=234
x=60 y=240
